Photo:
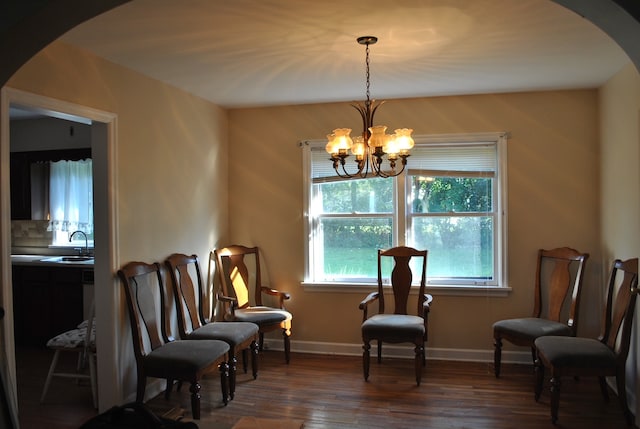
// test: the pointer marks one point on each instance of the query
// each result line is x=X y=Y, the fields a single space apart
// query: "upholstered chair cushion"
x=531 y=327
x=233 y=333
x=576 y=352
x=182 y=357
x=393 y=327
x=72 y=338
x=262 y=315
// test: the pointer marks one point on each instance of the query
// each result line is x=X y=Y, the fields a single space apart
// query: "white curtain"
x=71 y=196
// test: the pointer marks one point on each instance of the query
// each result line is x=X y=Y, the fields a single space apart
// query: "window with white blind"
x=451 y=200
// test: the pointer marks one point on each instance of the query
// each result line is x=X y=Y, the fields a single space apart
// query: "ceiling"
x=246 y=53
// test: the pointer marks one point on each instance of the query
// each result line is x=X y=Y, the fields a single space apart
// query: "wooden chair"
x=157 y=354
x=602 y=357
x=192 y=324
x=238 y=268
x=558 y=286
x=399 y=327
x=82 y=342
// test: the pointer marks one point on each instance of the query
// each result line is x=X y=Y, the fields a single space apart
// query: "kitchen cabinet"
x=47 y=300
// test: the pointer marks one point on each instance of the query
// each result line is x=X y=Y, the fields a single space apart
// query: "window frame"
x=402 y=214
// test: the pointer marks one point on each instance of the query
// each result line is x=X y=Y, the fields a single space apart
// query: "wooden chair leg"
x=555 y=398
x=365 y=359
x=622 y=396
x=195 y=400
x=539 y=370
x=287 y=345
x=232 y=376
x=603 y=388
x=254 y=359
x=245 y=358
x=497 y=355
x=379 y=351
x=224 y=381
x=141 y=387
x=533 y=356
x=168 y=388
x=419 y=351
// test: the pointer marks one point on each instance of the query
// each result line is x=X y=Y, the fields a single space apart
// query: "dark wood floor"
x=329 y=392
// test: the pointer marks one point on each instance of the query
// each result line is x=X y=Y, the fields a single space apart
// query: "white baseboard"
x=390 y=350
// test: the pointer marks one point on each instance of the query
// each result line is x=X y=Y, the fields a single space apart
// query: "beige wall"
x=553 y=192
x=620 y=206
x=171 y=168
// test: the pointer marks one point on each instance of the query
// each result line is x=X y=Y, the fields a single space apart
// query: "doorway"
x=103 y=153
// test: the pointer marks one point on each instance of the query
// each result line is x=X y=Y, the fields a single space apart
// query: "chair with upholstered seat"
x=400 y=326
x=558 y=286
x=190 y=297
x=80 y=341
x=158 y=355
x=238 y=268
x=602 y=357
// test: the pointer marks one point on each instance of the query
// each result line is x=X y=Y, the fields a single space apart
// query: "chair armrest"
x=229 y=303
x=282 y=296
x=426 y=307
x=364 y=304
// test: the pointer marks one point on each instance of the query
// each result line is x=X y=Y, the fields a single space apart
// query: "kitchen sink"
x=68 y=259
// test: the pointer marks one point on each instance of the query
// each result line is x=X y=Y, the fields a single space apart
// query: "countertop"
x=51 y=261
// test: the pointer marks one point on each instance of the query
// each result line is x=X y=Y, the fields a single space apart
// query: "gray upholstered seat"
x=531 y=327
x=180 y=359
x=262 y=315
x=576 y=352
x=394 y=327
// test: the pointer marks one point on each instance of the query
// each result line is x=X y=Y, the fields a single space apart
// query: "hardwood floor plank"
x=330 y=392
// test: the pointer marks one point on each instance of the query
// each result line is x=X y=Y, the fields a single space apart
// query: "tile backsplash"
x=30 y=233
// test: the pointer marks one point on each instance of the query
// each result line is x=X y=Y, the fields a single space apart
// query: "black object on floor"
x=134 y=415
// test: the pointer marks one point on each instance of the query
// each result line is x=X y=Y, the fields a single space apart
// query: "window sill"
x=484 y=291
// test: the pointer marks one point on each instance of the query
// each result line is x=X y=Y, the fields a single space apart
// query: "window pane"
x=348 y=247
x=459 y=247
x=451 y=194
x=356 y=196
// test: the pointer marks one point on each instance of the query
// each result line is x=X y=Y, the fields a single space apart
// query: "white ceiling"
x=268 y=52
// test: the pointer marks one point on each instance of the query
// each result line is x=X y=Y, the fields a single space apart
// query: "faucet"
x=86 y=241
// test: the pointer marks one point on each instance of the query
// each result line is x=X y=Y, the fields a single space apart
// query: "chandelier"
x=370 y=148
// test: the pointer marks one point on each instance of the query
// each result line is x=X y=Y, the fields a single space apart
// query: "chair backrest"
x=189 y=296
x=143 y=288
x=239 y=272
x=558 y=285
x=402 y=277
x=619 y=311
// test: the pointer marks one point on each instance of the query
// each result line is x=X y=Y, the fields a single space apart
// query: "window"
x=451 y=200
x=71 y=201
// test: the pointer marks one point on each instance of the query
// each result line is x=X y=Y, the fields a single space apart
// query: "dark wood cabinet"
x=46 y=302
x=20 y=180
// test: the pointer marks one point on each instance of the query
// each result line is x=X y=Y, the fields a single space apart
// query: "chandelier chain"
x=368 y=74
